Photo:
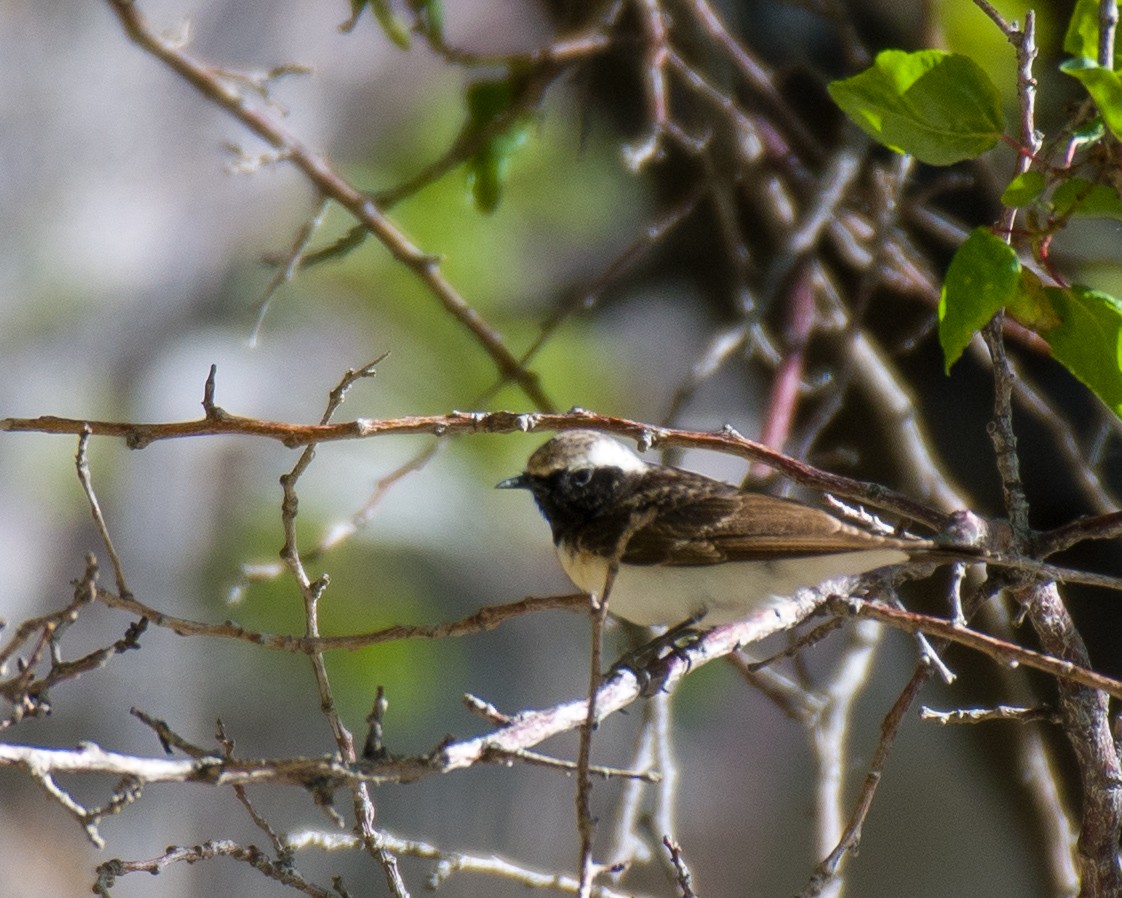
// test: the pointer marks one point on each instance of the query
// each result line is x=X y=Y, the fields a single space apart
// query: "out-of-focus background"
x=133 y=257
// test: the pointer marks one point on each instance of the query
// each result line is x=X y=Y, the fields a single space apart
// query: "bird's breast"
x=716 y=594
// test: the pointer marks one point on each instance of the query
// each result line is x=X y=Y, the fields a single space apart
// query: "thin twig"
x=311 y=592
x=452 y=862
x=830 y=739
x=827 y=869
x=487 y=618
x=329 y=183
x=138 y=435
x=586 y=824
x=1000 y=650
x=985 y=715
x=682 y=870
x=84 y=478
x=287 y=269
x=279 y=870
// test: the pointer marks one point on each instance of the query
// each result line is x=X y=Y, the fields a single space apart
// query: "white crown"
x=583 y=449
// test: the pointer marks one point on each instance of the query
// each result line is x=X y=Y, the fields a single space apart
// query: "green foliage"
x=1025 y=189
x=940 y=107
x=494 y=119
x=982 y=279
x=1070 y=198
x=1103 y=83
x=1082 y=35
x=1088 y=339
x=430 y=14
x=560 y=198
x=396 y=28
x=1083 y=327
x=1105 y=87
x=1080 y=198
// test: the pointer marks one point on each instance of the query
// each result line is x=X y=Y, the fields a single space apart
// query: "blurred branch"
x=827 y=871
x=829 y=730
x=286 y=270
x=653 y=749
x=220 y=90
x=654 y=75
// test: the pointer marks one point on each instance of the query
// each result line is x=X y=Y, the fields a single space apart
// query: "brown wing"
x=735 y=526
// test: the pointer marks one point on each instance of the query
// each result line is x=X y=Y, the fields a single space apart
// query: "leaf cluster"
x=943 y=109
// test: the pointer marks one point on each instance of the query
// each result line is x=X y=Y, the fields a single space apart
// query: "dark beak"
x=521 y=482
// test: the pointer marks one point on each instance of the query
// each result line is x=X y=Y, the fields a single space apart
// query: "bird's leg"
x=671 y=642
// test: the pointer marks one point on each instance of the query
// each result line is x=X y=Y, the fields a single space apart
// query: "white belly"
x=653 y=595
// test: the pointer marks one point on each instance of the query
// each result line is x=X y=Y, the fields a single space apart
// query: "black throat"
x=583 y=500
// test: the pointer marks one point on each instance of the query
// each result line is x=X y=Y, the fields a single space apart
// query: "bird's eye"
x=581 y=476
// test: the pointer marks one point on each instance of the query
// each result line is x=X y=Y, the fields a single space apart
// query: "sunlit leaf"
x=1088 y=339
x=1104 y=86
x=940 y=107
x=983 y=278
x=1024 y=189
x=1080 y=198
x=1082 y=35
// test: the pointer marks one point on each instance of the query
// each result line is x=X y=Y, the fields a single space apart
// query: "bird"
x=687 y=549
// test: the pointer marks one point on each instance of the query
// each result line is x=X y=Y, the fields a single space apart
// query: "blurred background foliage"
x=130 y=261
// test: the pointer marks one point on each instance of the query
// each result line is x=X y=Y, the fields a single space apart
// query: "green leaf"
x=431 y=14
x=488 y=102
x=983 y=277
x=1104 y=86
x=1030 y=304
x=1082 y=36
x=488 y=169
x=1088 y=339
x=396 y=29
x=1024 y=190
x=1080 y=198
x=940 y=107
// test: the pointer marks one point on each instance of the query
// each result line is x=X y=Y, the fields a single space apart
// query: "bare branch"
x=985 y=715
x=451 y=862
x=83 y=466
x=1005 y=653
x=649 y=436
x=220 y=91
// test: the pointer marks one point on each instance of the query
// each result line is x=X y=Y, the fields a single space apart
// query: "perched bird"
x=689 y=548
